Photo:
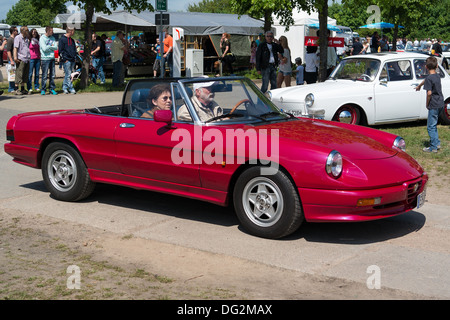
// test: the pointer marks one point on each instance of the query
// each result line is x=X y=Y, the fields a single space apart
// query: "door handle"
x=126 y=125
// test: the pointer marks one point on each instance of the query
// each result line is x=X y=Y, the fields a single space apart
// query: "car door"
x=149 y=152
x=395 y=96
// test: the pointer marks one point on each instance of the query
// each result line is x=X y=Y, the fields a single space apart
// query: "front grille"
x=413 y=191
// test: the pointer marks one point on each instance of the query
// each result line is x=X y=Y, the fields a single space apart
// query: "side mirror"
x=383 y=81
x=165 y=116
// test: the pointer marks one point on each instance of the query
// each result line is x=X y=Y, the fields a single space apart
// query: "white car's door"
x=395 y=96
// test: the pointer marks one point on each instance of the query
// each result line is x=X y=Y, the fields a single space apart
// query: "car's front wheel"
x=267 y=206
x=348 y=114
x=65 y=173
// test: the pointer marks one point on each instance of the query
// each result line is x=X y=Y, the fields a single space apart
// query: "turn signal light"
x=368 y=202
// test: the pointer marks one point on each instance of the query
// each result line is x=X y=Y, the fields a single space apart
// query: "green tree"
x=351 y=13
x=24 y=13
x=407 y=13
x=211 y=6
x=265 y=9
x=89 y=7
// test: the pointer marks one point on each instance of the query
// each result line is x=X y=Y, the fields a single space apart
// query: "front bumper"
x=312 y=114
x=340 y=205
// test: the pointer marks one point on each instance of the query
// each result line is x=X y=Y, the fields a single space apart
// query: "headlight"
x=269 y=95
x=309 y=100
x=400 y=143
x=334 y=164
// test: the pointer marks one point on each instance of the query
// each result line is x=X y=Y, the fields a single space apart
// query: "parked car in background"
x=367 y=89
x=446 y=55
x=275 y=169
x=347 y=34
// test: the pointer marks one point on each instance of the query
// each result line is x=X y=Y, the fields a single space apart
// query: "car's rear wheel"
x=348 y=114
x=65 y=173
x=445 y=114
x=267 y=206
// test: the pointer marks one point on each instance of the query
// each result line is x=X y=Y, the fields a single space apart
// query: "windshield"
x=225 y=100
x=356 y=69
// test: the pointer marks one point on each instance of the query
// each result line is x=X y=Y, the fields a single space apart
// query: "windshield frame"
x=248 y=91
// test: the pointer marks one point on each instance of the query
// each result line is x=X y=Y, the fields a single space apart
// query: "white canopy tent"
x=298 y=31
x=199 y=23
x=117 y=20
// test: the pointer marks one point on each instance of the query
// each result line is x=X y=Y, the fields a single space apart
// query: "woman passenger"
x=159 y=98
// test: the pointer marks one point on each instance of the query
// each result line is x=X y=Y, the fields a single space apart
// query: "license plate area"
x=421 y=199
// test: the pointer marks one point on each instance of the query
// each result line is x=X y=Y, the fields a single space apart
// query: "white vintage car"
x=367 y=89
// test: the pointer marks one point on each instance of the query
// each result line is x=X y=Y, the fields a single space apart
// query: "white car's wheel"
x=445 y=114
x=348 y=114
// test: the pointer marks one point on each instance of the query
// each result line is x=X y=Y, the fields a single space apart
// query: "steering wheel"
x=238 y=104
x=366 y=76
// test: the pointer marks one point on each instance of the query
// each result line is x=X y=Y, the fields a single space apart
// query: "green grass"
x=416 y=138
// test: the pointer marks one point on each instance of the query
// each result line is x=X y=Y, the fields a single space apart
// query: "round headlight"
x=400 y=143
x=269 y=95
x=334 y=164
x=309 y=100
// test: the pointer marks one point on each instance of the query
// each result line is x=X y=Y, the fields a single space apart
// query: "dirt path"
x=36 y=251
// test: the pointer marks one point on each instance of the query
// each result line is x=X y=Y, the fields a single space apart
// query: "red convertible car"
x=221 y=140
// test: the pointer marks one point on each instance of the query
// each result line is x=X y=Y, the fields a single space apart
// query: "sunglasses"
x=165 y=98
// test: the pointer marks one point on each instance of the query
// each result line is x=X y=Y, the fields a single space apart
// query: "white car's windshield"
x=356 y=69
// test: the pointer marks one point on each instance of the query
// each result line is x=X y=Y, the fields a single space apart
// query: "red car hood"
x=324 y=134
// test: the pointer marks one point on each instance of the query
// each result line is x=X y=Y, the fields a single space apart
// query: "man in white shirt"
x=203 y=101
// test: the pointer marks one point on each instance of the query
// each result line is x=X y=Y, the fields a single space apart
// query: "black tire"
x=267 y=206
x=65 y=173
x=445 y=114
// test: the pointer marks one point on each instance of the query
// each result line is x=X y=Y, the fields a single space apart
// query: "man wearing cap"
x=203 y=101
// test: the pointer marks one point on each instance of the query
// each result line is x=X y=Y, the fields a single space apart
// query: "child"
x=253 y=48
x=435 y=103
x=299 y=71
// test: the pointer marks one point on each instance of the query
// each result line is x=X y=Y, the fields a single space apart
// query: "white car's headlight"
x=400 y=143
x=334 y=164
x=269 y=95
x=309 y=100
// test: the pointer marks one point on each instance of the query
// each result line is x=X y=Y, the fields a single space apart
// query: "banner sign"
x=332 y=41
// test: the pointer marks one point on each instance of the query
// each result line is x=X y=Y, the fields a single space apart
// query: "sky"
x=173 y=5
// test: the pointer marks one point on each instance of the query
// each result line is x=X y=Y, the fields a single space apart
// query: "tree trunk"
x=84 y=77
x=267 y=20
x=323 y=39
x=394 y=38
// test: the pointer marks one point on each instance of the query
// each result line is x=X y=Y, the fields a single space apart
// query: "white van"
x=347 y=34
x=4 y=30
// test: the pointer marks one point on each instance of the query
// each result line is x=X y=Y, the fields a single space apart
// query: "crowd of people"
x=31 y=59
x=377 y=43
x=30 y=54
x=272 y=60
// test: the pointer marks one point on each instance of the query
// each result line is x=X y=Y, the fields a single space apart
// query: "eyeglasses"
x=269 y=36
x=165 y=98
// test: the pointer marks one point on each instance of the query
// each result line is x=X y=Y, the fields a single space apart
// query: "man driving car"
x=203 y=101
